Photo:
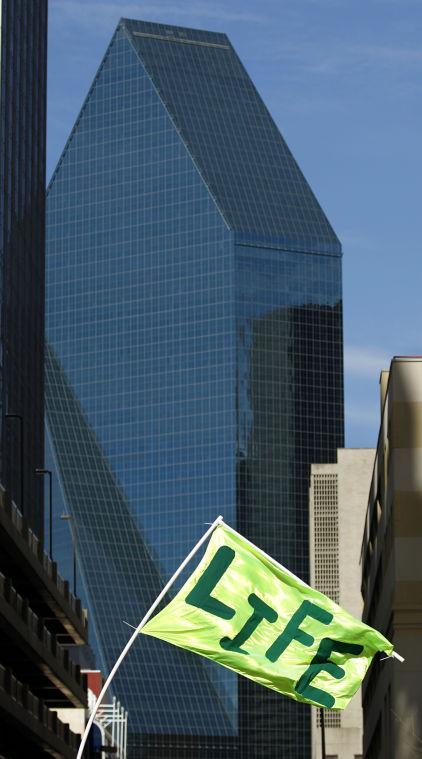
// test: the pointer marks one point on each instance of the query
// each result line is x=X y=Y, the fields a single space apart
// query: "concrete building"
x=392 y=568
x=39 y=620
x=338 y=500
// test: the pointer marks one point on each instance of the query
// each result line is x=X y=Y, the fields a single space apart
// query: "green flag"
x=243 y=610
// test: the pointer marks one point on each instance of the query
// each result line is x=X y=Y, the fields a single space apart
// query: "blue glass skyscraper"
x=194 y=362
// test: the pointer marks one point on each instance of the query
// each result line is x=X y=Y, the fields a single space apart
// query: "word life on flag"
x=245 y=611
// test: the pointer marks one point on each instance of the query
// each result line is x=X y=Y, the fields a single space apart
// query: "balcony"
x=32 y=651
x=36 y=576
x=31 y=723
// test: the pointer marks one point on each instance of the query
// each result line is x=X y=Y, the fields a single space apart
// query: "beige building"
x=338 y=501
x=392 y=568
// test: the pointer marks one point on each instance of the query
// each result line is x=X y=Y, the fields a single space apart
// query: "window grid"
x=193 y=368
x=326 y=553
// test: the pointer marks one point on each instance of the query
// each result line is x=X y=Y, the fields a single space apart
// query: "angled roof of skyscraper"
x=232 y=138
x=228 y=130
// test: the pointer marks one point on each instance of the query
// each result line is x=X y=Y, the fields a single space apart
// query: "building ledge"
x=31 y=723
x=26 y=641
x=32 y=567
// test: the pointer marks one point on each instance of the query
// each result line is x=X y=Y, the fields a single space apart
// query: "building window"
x=331 y=718
x=326 y=535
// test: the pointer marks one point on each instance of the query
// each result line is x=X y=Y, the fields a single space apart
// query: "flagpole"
x=143 y=621
x=323 y=754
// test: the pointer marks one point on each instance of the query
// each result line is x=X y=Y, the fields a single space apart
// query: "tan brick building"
x=338 y=500
x=392 y=568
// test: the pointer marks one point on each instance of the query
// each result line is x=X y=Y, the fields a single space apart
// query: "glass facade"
x=290 y=409
x=194 y=363
x=22 y=214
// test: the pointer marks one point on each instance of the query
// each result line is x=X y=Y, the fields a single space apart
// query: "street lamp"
x=48 y=472
x=322 y=734
x=69 y=518
x=20 y=419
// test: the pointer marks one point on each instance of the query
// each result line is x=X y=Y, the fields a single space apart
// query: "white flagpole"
x=395 y=655
x=143 y=621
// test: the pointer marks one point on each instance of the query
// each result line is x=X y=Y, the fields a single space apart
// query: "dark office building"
x=194 y=367
x=392 y=569
x=22 y=214
x=40 y=620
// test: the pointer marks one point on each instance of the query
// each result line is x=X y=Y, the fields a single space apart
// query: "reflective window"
x=194 y=365
x=23 y=33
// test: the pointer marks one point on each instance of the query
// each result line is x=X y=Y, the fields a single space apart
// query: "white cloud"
x=103 y=13
x=365 y=363
x=350 y=58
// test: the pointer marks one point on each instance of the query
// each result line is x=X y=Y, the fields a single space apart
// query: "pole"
x=70 y=518
x=73 y=531
x=118 y=727
x=50 y=511
x=113 y=723
x=50 y=501
x=143 y=622
x=18 y=416
x=323 y=754
x=125 y=736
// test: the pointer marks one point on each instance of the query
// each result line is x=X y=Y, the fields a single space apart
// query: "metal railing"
x=113 y=717
x=49 y=566
x=21 y=694
x=38 y=629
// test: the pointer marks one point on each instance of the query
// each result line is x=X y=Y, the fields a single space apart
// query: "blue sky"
x=343 y=81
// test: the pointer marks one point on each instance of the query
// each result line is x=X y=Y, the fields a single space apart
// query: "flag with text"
x=246 y=612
